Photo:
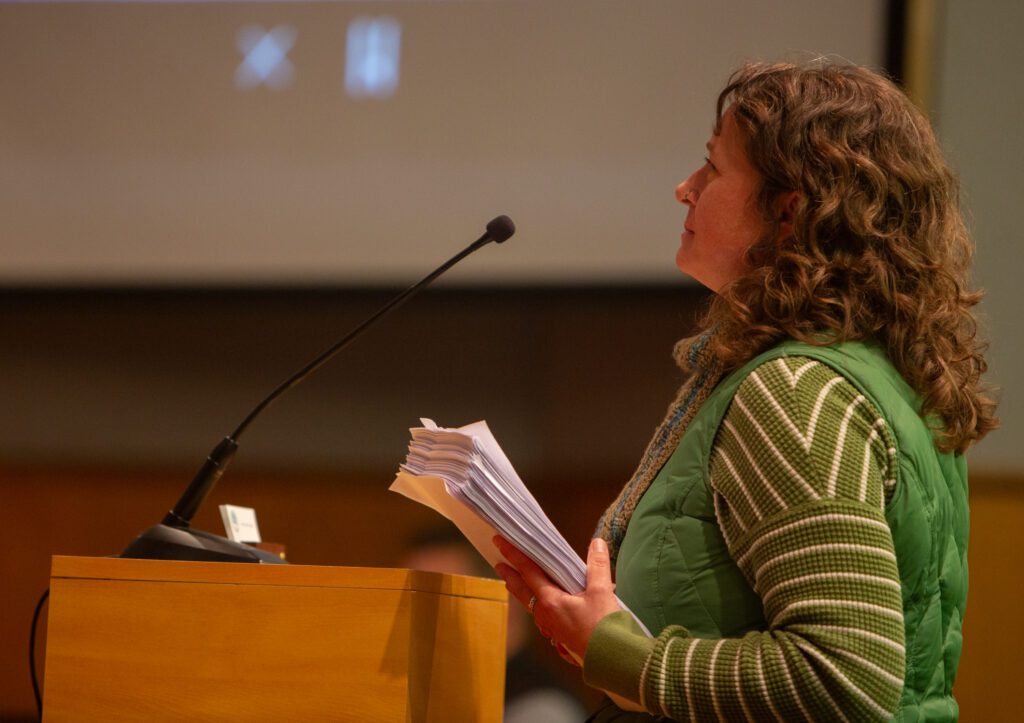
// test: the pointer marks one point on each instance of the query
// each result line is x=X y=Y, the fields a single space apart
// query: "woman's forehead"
x=726 y=138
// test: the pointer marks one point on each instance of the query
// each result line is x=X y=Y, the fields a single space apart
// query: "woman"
x=795 y=536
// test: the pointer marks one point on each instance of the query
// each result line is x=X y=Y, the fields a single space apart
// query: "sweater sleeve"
x=801 y=469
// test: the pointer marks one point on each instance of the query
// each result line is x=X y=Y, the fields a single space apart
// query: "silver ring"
x=532 y=604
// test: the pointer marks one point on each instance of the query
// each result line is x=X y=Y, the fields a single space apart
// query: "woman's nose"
x=686 y=192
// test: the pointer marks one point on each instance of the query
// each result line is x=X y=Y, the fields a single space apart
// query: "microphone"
x=172 y=539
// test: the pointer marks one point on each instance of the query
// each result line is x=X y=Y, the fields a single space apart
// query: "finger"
x=535 y=577
x=513 y=554
x=599 y=569
x=515 y=584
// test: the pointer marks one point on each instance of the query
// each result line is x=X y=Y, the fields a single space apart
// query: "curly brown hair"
x=879 y=248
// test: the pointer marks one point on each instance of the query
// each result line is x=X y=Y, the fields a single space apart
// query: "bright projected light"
x=266 y=57
x=372 y=53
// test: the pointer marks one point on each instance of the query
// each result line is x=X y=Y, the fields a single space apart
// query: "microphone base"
x=164 y=542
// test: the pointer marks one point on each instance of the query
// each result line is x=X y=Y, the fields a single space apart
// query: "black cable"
x=32 y=653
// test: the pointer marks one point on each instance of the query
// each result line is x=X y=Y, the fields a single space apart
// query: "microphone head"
x=500 y=228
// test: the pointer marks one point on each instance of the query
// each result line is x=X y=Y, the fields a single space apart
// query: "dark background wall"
x=567 y=377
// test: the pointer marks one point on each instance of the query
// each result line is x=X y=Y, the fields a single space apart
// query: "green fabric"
x=675 y=567
x=620 y=639
x=673 y=564
x=704 y=374
x=928 y=517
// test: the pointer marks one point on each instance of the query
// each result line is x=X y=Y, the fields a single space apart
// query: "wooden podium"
x=199 y=641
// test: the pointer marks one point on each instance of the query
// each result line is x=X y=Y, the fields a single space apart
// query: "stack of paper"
x=464 y=475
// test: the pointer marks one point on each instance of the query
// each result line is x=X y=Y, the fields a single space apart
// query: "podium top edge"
x=229 y=573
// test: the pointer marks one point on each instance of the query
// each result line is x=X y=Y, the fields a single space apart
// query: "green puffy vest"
x=673 y=566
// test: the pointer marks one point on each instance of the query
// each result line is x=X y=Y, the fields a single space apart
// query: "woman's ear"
x=788 y=203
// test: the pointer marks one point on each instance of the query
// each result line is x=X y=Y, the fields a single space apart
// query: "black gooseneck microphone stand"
x=173 y=539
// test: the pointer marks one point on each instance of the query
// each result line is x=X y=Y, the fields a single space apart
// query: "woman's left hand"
x=568 y=620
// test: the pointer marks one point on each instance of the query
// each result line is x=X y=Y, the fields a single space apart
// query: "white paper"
x=464 y=475
x=240 y=523
x=430 y=491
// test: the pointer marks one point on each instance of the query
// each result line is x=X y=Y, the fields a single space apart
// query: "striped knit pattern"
x=705 y=374
x=801 y=469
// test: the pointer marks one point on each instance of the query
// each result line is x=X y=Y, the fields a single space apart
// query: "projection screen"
x=362 y=143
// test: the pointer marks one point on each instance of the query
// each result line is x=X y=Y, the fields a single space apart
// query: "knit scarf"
x=704 y=375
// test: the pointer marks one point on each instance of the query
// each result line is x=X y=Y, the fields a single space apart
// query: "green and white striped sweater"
x=801 y=468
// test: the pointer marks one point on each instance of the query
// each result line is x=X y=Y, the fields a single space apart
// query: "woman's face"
x=722 y=219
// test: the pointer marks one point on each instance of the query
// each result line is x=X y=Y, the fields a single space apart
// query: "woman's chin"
x=685 y=261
